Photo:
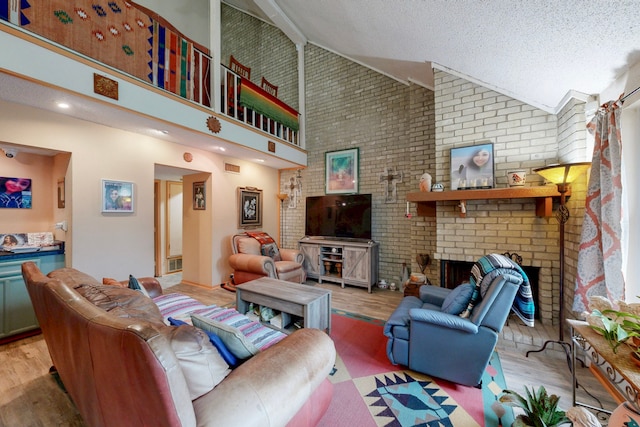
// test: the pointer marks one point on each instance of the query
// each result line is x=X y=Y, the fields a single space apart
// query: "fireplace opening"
x=453 y=273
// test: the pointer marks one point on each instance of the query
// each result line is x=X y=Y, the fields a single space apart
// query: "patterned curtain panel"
x=600 y=257
x=120 y=34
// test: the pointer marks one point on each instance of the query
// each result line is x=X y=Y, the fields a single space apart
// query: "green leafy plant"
x=616 y=332
x=540 y=408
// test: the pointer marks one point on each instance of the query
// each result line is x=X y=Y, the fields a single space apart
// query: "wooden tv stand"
x=347 y=262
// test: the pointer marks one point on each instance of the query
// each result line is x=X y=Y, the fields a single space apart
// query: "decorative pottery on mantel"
x=425 y=182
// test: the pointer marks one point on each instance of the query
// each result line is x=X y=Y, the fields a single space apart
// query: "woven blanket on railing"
x=254 y=97
x=121 y=34
x=489 y=267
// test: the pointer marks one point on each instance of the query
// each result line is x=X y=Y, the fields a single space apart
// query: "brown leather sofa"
x=248 y=263
x=121 y=370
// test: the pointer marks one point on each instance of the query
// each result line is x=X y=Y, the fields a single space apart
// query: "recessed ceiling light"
x=260 y=160
x=220 y=148
x=63 y=105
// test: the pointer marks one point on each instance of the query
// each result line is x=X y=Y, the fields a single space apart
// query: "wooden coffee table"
x=310 y=303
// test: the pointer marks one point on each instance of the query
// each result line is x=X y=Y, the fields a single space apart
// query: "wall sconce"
x=295 y=189
x=562 y=176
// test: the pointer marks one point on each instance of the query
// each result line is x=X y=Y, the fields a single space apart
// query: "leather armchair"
x=425 y=338
x=248 y=263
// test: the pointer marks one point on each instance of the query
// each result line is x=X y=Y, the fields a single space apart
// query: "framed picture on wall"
x=341 y=171
x=249 y=207
x=61 y=193
x=15 y=193
x=199 y=196
x=117 y=196
x=472 y=167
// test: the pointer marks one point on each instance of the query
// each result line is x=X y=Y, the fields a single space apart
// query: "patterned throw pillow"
x=458 y=299
x=232 y=338
x=268 y=246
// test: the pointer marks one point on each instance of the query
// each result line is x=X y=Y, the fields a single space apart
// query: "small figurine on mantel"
x=425 y=182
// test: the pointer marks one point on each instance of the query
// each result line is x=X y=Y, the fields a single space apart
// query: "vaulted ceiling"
x=534 y=50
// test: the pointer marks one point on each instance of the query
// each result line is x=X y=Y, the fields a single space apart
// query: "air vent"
x=174 y=264
x=228 y=167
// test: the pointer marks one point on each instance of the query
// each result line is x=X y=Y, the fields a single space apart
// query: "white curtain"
x=600 y=258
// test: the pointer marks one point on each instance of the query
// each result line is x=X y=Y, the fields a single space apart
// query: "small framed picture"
x=117 y=196
x=15 y=192
x=341 y=171
x=472 y=167
x=199 y=196
x=61 y=193
x=249 y=207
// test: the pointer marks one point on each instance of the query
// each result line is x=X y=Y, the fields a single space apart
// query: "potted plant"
x=540 y=408
x=616 y=327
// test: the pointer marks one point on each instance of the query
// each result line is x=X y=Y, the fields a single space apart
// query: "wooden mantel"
x=543 y=194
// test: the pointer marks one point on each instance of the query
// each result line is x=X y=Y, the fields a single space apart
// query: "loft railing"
x=230 y=106
x=166 y=60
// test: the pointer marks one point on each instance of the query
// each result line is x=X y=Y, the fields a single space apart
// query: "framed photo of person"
x=249 y=207
x=472 y=167
x=117 y=196
x=199 y=196
x=15 y=192
x=341 y=171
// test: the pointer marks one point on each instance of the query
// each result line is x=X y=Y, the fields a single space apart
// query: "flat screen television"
x=342 y=216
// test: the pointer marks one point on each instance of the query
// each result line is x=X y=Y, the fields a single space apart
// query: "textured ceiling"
x=533 y=50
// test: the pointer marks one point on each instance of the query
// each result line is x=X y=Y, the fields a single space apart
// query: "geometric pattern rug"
x=370 y=391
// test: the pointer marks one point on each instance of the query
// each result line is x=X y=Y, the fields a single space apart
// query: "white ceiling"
x=532 y=50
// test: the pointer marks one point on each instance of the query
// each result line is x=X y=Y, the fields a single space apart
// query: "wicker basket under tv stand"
x=347 y=262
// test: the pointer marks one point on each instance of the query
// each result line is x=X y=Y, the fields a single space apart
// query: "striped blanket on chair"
x=489 y=267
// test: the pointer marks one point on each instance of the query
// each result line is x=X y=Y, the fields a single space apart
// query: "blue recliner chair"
x=451 y=334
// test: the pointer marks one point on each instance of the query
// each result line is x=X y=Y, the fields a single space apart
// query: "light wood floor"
x=29 y=396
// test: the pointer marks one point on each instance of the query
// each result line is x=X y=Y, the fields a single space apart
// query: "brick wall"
x=263 y=48
x=350 y=106
x=412 y=129
x=525 y=138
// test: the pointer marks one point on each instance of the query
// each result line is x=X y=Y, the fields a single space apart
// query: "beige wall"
x=116 y=244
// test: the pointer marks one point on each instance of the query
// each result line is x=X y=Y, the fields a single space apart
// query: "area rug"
x=370 y=391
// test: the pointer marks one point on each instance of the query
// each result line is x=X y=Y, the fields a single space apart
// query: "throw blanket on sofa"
x=489 y=267
x=268 y=246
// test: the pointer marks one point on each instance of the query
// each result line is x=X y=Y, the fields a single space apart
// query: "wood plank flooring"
x=29 y=396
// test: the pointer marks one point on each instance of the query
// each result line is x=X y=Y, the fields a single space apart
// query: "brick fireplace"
x=523 y=137
x=453 y=273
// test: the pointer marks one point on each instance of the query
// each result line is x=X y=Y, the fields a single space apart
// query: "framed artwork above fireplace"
x=472 y=167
